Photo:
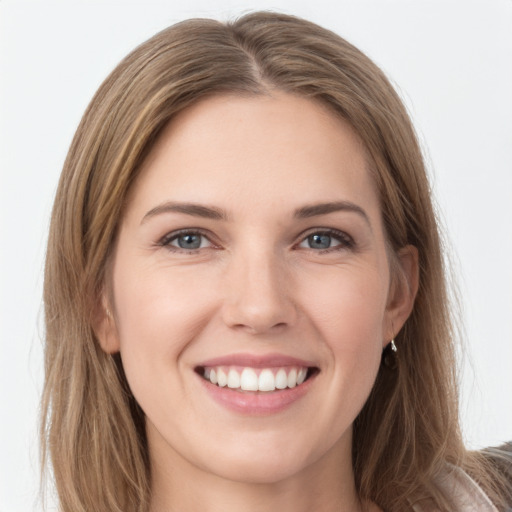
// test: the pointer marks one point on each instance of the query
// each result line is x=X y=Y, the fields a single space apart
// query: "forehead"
x=271 y=149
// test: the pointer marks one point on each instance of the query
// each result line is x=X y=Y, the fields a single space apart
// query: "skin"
x=254 y=286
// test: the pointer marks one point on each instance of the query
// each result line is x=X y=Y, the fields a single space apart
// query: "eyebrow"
x=194 y=209
x=214 y=213
x=324 y=208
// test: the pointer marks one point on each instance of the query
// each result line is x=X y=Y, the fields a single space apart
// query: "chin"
x=271 y=470
x=271 y=460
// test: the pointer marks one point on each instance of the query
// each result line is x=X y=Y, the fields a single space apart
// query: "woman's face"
x=251 y=289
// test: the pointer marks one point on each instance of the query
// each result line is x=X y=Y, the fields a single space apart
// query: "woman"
x=244 y=294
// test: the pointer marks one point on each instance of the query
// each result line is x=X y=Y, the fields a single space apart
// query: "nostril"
x=259 y=327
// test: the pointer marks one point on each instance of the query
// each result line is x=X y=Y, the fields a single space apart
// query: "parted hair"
x=92 y=429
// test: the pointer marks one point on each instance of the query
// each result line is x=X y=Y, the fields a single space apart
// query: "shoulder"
x=463 y=491
x=500 y=458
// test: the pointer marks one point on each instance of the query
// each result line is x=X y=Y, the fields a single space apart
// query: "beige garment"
x=465 y=492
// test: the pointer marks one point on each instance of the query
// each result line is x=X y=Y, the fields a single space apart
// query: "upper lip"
x=256 y=361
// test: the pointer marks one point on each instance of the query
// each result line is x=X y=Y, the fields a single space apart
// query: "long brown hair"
x=92 y=427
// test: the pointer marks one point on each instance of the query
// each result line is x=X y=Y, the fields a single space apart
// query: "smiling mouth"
x=256 y=380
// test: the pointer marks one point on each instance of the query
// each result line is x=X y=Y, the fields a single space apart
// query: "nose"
x=259 y=296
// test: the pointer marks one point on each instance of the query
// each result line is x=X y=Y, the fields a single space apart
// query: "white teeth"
x=233 y=379
x=266 y=381
x=292 y=378
x=281 y=379
x=249 y=380
x=222 y=378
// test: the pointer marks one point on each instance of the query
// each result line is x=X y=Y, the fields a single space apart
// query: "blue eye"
x=188 y=241
x=319 y=241
x=325 y=240
x=185 y=240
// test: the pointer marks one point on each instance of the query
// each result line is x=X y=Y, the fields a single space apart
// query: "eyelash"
x=166 y=240
x=346 y=242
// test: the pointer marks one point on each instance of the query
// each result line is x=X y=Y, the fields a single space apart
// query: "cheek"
x=346 y=315
x=159 y=311
x=349 y=316
x=349 y=310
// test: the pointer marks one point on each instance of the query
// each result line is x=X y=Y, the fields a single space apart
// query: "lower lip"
x=257 y=403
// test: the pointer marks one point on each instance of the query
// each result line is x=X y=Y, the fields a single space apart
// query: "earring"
x=389 y=357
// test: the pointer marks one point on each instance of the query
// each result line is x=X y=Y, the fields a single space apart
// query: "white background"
x=452 y=61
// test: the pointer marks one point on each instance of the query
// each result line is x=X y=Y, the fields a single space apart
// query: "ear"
x=402 y=292
x=104 y=326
